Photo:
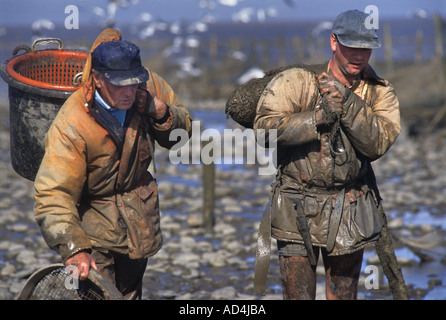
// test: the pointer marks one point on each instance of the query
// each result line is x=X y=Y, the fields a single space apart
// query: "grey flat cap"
x=352 y=31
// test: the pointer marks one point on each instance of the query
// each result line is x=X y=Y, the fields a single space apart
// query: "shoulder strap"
x=127 y=147
x=147 y=128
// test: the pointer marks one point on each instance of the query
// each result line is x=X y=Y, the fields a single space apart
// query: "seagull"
x=321 y=27
x=252 y=73
x=262 y=14
x=39 y=27
x=147 y=32
x=229 y=3
x=205 y=4
x=174 y=48
x=198 y=26
x=109 y=15
x=145 y=17
x=42 y=24
x=175 y=28
x=187 y=68
x=239 y=55
x=418 y=13
x=192 y=42
x=244 y=15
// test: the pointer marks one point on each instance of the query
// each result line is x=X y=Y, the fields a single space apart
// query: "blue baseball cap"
x=120 y=63
x=351 y=30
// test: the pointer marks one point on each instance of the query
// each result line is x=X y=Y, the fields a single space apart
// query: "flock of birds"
x=186 y=34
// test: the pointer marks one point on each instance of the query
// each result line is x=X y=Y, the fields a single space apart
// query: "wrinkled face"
x=350 y=61
x=115 y=96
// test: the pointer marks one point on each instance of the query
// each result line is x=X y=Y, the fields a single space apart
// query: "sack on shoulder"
x=241 y=105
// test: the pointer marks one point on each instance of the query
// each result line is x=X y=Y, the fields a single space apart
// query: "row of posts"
x=258 y=51
x=419 y=38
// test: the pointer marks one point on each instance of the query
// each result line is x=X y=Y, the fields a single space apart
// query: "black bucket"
x=37 y=90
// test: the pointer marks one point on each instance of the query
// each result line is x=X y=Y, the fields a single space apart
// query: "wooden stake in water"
x=208 y=180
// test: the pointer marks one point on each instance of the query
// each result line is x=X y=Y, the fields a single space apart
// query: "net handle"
x=34 y=279
x=108 y=287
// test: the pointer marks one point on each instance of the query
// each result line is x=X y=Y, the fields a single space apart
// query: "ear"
x=97 y=80
x=333 y=42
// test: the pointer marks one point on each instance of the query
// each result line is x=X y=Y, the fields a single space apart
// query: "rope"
x=21 y=47
x=334 y=134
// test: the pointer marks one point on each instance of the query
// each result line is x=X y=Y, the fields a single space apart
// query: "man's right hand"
x=328 y=84
x=84 y=262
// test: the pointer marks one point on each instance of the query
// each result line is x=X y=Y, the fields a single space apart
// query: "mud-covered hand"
x=330 y=111
x=333 y=94
x=83 y=261
x=328 y=84
x=144 y=105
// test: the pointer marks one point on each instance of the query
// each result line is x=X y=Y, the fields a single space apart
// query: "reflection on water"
x=424 y=217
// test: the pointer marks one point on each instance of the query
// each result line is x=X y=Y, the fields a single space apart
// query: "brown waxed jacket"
x=93 y=188
x=309 y=170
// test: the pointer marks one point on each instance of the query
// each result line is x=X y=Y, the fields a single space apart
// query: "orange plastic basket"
x=48 y=69
x=40 y=81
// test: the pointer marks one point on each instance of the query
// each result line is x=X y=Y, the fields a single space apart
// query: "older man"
x=95 y=200
x=332 y=120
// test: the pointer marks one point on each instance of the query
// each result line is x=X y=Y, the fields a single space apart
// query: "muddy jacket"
x=93 y=189
x=315 y=173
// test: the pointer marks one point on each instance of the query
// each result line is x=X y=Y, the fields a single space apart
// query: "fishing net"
x=56 y=282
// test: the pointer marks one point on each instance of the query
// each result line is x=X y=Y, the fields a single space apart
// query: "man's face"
x=115 y=96
x=350 y=61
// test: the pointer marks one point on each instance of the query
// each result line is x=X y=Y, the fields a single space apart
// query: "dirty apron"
x=343 y=221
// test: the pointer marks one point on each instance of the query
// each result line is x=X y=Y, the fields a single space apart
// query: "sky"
x=27 y=11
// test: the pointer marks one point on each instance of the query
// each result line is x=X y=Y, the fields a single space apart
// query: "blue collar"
x=117 y=113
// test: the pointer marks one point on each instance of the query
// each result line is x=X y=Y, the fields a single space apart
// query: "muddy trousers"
x=341 y=276
x=126 y=273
